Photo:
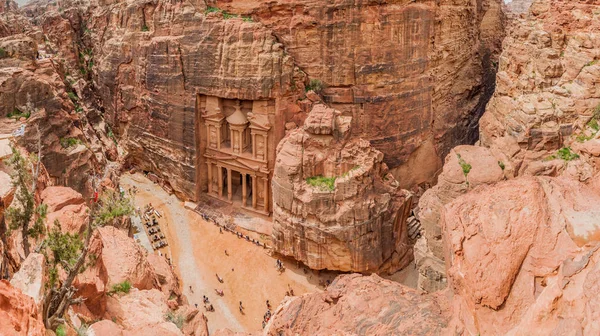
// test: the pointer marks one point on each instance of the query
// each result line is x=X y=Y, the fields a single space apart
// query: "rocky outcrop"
x=523 y=257
x=118 y=258
x=335 y=204
x=145 y=312
x=31 y=277
x=542 y=120
x=546 y=86
x=361 y=305
x=466 y=167
x=414 y=83
x=66 y=206
x=18 y=313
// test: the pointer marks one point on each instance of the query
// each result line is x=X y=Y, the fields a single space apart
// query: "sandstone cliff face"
x=412 y=75
x=522 y=259
x=18 y=313
x=335 y=205
x=544 y=111
x=36 y=87
x=547 y=85
x=361 y=305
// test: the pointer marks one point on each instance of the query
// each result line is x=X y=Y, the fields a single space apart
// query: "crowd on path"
x=208 y=306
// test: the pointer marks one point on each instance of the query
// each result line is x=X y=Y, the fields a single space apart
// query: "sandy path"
x=198 y=253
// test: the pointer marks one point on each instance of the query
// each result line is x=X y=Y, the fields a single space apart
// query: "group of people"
x=238 y=234
x=280 y=266
x=267 y=315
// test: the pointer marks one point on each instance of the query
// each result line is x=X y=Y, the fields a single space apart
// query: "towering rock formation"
x=34 y=94
x=542 y=120
x=414 y=76
x=335 y=204
x=522 y=258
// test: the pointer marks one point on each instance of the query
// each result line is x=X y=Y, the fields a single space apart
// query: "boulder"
x=118 y=258
x=57 y=197
x=335 y=206
x=167 y=280
x=366 y=305
x=31 y=277
x=105 y=327
x=142 y=312
x=18 y=313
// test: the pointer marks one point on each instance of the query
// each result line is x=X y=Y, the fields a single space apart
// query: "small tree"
x=70 y=252
x=24 y=179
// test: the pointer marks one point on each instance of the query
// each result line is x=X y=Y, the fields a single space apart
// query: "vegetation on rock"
x=321 y=182
x=26 y=216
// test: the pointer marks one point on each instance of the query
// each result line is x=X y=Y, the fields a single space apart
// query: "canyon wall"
x=542 y=119
x=414 y=77
x=35 y=95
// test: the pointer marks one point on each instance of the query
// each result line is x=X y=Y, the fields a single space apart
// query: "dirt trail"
x=198 y=253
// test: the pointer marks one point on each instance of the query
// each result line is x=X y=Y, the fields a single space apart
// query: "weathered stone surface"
x=118 y=258
x=546 y=85
x=18 y=313
x=139 y=309
x=485 y=168
x=66 y=206
x=354 y=223
x=521 y=254
x=410 y=80
x=166 y=278
x=31 y=277
x=105 y=327
x=361 y=305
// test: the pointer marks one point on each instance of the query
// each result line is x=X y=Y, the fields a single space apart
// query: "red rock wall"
x=410 y=74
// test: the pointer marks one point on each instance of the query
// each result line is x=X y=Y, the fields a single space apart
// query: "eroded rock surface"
x=361 y=305
x=542 y=119
x=118 y=259
x=522 y=255
x=18 y=313
x=335 y=204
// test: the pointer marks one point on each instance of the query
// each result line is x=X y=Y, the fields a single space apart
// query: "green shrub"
x=501 y=164
x=145 y=28
x=73 y=96
x=61 y=330
x=247 y=19
x=593 y=124
x=212 y=10
x=3 y=53
x=566 y=154
x=123 y=287
x=321 y=182
x=466 y=168
x=315 y=85
x=18 y=114
x=175 y=318
x=69 y=142
x=591 y=63
x=228 y=16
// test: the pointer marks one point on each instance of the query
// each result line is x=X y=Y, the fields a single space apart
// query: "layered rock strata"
x=542 y=119
x=522 y=258
x=335 y=204
x=414 y=76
